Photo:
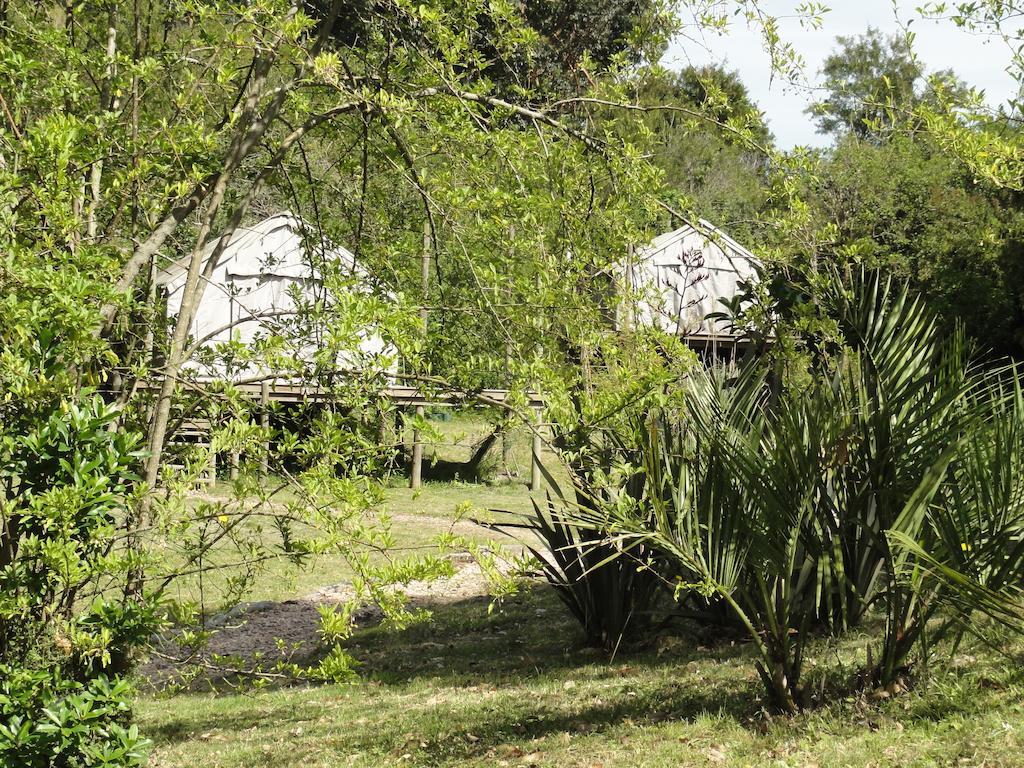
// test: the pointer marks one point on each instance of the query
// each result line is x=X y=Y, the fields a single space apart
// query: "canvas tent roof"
x=265 y=274
x=282 y=245
x=685 y=274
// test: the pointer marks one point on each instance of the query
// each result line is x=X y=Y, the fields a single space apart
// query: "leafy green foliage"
x=873 y=82
x=905 y=206
x=66 y=478
x=577 y=37
x=132 y=139
x=187 y=121
x=711 y=142
x=867 y=77
x=47 y=720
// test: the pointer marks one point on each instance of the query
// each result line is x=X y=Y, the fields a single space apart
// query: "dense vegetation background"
x=489 y=163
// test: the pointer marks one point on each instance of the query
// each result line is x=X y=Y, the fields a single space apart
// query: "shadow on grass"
x=471 y=681
x=473 y=686
x=528 y=636
x=471 y=727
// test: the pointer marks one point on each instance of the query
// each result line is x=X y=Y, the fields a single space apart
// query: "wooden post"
x=234 y=465
x=506 y=435
x=425 y=274
x=383 y=438
x=213 y=469
x=535 y=453
x=265 y=424
x=416 y=476
x=506 y=451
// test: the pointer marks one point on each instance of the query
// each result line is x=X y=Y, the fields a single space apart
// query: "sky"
x=977 y=60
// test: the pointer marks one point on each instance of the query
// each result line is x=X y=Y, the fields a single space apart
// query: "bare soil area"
x=266 y=632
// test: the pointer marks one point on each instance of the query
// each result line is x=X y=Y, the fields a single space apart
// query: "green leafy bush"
x=67 y=477
x=50 y=721
x=68 y=622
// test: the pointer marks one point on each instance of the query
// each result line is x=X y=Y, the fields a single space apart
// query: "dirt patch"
x=266 y=632
x=467 y=581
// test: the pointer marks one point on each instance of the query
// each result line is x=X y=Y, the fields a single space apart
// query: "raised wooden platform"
x=400 y=395
x=270 y=390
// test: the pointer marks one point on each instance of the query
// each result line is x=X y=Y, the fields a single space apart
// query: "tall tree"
x=578 y=38
x=907 y=206
x=711 y=141
x=873 y=81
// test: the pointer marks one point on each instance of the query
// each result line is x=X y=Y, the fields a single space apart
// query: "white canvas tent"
x=682 y=277
x=251 y=293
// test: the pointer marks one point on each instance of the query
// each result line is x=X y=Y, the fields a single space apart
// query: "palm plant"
x=892 y=484
x=973 y=557
x=903 y=398
x=609 y=589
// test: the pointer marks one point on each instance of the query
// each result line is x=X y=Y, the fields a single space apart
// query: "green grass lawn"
x=417 y=520
x=515 y=687
x=418 y=517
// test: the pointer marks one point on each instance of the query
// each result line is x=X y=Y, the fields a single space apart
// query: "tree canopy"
x=875 y=81
x=490 y=164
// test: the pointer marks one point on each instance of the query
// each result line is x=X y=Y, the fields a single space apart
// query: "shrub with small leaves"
x=50 y=721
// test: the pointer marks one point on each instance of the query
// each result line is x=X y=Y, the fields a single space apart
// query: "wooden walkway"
x=197 y=431
x=399 y=395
